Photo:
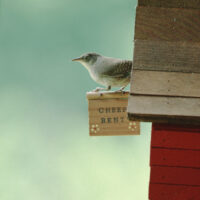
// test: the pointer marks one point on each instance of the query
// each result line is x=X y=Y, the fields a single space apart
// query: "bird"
x=107 y=71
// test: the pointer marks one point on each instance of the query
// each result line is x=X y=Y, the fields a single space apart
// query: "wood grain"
x=175 y=158
x=165 y=83
x=167 y=106
x=175 y=110
x=167 y=56
x=175 y=128
x=167 y=24
x=174 y=175
x=107 y=95
x=109 y=117
x=173 y=192
x=164 y=119
x=175 y=139
x=175 y=161
x=195 y=4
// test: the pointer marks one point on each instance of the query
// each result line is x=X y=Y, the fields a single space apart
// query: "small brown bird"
x=109 y=72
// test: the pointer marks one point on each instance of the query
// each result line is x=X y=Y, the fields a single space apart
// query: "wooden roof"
x=165 y=85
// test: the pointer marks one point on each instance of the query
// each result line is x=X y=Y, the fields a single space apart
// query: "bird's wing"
x=121 y=69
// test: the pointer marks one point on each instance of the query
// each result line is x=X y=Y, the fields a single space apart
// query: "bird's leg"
x=121 y=89
x=102 y=89
x=108 y=88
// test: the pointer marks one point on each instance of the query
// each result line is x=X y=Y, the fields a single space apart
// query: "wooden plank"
x=165 y=83
x=157 y=127
x=167 y=24
x=175 y=158
x=176 y=139
x=164 y=119
x=167 y=106
x=167 y=56
x=173 y=192
x=175 y=110
x=174 y=175
x=189 y=193
x=195 y=4
x=109 y=117
x=174 y=127
x=107 y=95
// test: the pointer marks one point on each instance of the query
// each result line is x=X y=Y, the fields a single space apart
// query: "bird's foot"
x=98 y=89
x=121 y=89
x=102 y=89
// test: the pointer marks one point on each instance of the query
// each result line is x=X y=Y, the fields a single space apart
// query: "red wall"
x=175 y=162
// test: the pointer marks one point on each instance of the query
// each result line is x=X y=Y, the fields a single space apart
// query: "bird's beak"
x=77 y=59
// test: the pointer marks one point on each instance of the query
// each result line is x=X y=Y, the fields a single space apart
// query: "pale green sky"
x=46 y=152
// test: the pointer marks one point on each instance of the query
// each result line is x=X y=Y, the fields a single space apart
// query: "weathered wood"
x=164 y=119
x=167 y=56
x=175 y=139
x=165 y=83
x=175 y=158
x=173 y=192
x=164 y=109
x=175 y=175
x=174 y=128
x=167 y=24
x=167 y=106
x=108 y=115
x=195 y=4
x=107 y=95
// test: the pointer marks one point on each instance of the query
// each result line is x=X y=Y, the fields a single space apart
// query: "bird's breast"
x=97 y=76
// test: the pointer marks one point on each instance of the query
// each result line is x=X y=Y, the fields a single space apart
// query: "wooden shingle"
x=166 y=65
x=195 y=4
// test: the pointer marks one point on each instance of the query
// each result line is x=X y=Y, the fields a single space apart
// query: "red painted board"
x=173 y=192
x=174 y=157
x=175 y=127
x=175 y=139
x=174 y=175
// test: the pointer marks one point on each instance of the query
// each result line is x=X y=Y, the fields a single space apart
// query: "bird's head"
x=88 y=59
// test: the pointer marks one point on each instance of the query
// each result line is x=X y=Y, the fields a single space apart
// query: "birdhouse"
x=108 y=114
x=166 y=66
x=165 y=90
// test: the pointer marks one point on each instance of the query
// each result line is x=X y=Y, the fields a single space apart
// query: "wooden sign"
x=108 y=114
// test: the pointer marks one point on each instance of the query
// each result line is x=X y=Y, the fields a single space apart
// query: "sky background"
x=45 y=149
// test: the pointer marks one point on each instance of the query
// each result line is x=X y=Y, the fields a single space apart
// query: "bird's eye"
x=87 y=57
